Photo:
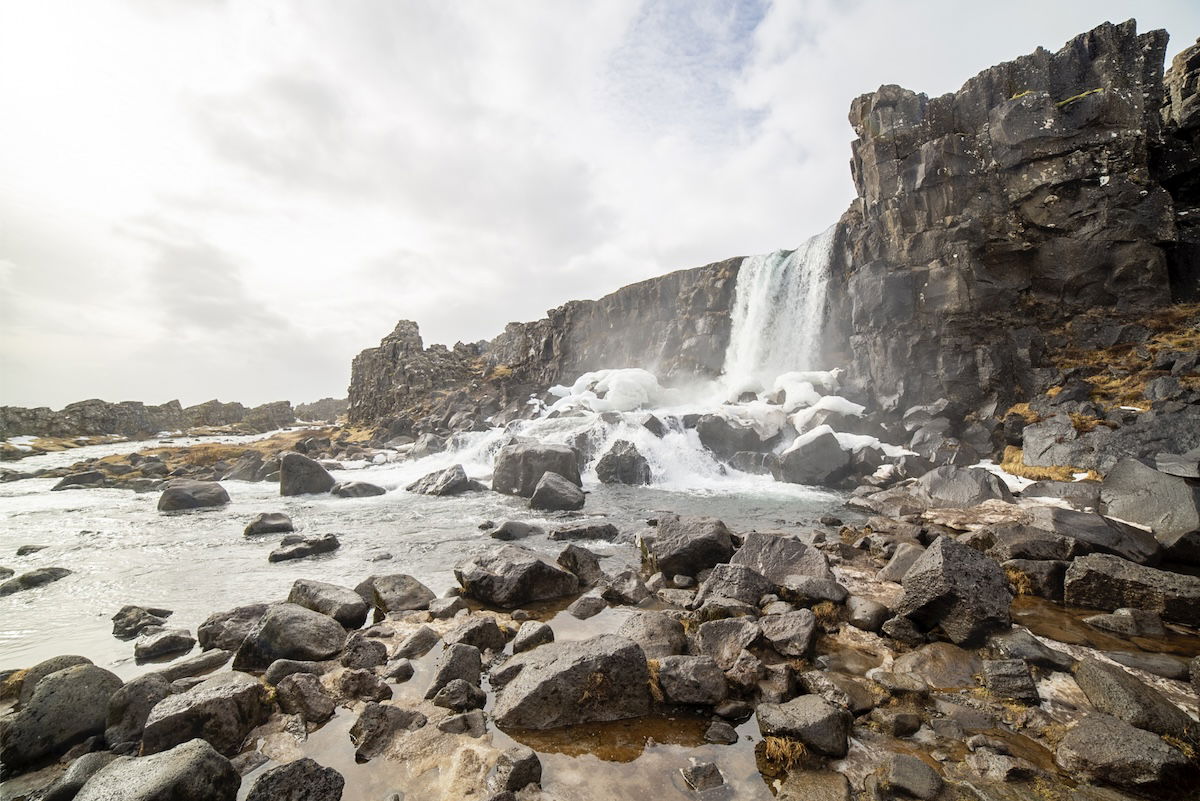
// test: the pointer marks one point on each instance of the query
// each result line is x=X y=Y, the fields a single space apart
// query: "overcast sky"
x=208 y=198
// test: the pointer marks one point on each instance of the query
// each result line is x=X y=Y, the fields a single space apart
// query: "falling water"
x=778 y=313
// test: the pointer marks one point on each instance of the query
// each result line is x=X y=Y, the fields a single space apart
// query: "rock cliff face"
x=1046 y=187
x=135 y=419
x=1024 y=198
x=675 y=325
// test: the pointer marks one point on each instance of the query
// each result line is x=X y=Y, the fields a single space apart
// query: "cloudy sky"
x=230 y=198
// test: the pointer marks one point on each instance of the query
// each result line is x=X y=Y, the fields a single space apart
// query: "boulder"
x=815 y=458
x=1166 y=504
x=280 y=669
x=1114 y=691
x=605 y=532
x=691 y=680
x=601 y=679
x=305 y=546
x=246 y=468
x=446 y=608
x=1041 y=578
x=791 y=633
x=192 y=771
x=623 y=464
x=687 y=545
x=812 y=720
x=736 y=582
x=940 y=665
x=658 y=635
x=1096 y=532
x=86 y=478
x=356 y=489
x=625 y=588
x=584 y=564
x=459 y=695
x=163 y=643
x=377 y=725
x=1101 y=581
x=301 y=780
x=227 y=630
x=34 y=578
x=777 y=556
x=356 y=684
x=481 y=632
x=866 y=614
x=300 y=475
x=269 y=523
x=451 y=481
x=1010 y=679
x=961 y=487
x=725 y=437
x=457 y=661
x=905 y=556
x=340 y=603
x=129 y=621
x=514 y=576
x=510 y=530
x=724 y=640
x=129 y=707
x=532 y=634
x=182 y=493
x=68 y=785
x=41 y=670
x=519 y=467
x=203 y=662
x=289 y=631
x=557 y=494
x=517 y=768
x=361 y=652
x=956 y=589
x=808 y=590
x=66 y=707
x=1105 y=750
x=911 y=776
x=396 y=592
x=220 y=711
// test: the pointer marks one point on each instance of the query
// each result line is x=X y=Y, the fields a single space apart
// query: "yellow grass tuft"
x=784 y=753
x=1019 y=581
x=826 y=614
x=655 y=688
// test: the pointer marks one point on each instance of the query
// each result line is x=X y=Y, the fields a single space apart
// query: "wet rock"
x=1105 y=750
x=725 y=437
x=720 y=733
x=518 y=468
x=357 y=684
x=130 y=620
x=363 y=653
x=586 y=606
x=221 y=711
x=377 y=725
x=940 y=665
x=456 y=662
x=1101 y=581
x=301 y=780
x=814 y=721
x=865 y=614
x=1029 y=543
x=460 y=695
x=816 y=458
x=625 y=588
x=86 y=478
x=303 y=694
x=1129 y=622
x=399 y=671
x=906 y=555
x=66 y=707
x=67 y=786
x=691 y=680
x=182 y=494
x=130 y=705
x=601 y=679
x=605 y=532
x=1009 y=678
x=280 y=669
x=517 y=768
x=41 y=670
x=1043 y=579
x=451 y=481
x=227 y=630
x=555 y=493
x=584 y=564
x=397 y=592
x=734 y=581
x=1020 y=644
x=903 y=630
x=1165 y=665
x=896 y=722
x=623 y=464
x=1183 y=465
x=341 y=603
x=163 y=643
x=790 y=634
x=246 y=468
x=724 y=640
x=514 y=576
x=302 y=547
x=480 y=632
x=532 y=634
x=204 y=662
x=356 y=489
x=269 y=523
x=961 y=487
x=515 y=530
x=300 y=475
x=814 y=785
x=446 y=608
x=417 y=644
x=911 y=776
x=687 y=545
x=1114 y=691
x=473 y=723
x=288 y=631
x=192 y=771
x=701 y=776
x=34 y=578
x=956 y=589
x=658 y=635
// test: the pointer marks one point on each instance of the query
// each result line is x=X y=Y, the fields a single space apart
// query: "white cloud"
x=233 y=198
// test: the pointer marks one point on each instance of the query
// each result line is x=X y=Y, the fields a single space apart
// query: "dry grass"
x=826 y=614
x=1084 y=423
x=784 y=753
x=655 y=688
x=1020 y=582
x=1029 y=415
x=1012 y=463
x=207 y=454
x=500 y=372
x=11 y=687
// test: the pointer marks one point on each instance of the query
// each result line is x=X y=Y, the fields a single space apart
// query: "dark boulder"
x=163 y=643
x=961 y=487
x=1168 y=505
x=299 y=475
x=288 y=631
x=735 y=582
x=725 y=640
x=377 y=725
x=623 y=464
x=584 y=564
x=691 y=680
x=457 y=662
x=42 y=669
x=451 y=481
x=555 y=493
x=725 y=437
x=341 y=603
x=605 y=532
x=777 y=556
x=513 y=576
x=34 y=578
x=66 y=707
x=227 y=630
x=269 y=523
x=302 y=547
x=658 y=635
x=519 y=467
x=687 y=545
x=396 y=592
x=1098 y=533
x=301 y=780
x=182 y=493
x=303 y=694
x=87 y=478
x=1102 y=581
x=815 y=458
x=68 y=785
x=129 y=707
x=129 y=621
x=532 y=634
x=192 y=771
x=356 y=489
x=221 y=711
x=1114 y=691
x=563 y=683
x=791 y=633
x=246 y=468
x=956 y=589
x=1105 y=750
x=810 y=719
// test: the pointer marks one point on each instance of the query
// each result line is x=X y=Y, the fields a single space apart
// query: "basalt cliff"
x=1054 y=193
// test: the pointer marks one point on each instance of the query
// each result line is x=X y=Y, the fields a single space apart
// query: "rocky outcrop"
x=326 y=410
x=135 y=419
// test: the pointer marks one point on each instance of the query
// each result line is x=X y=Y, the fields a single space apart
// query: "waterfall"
x=778 y=314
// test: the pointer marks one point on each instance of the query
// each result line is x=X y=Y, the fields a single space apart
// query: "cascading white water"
x=778 y=314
